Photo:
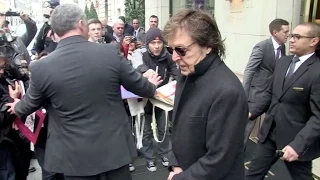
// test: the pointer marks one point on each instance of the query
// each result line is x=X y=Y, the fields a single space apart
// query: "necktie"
x=292 y=67
x=278 y=53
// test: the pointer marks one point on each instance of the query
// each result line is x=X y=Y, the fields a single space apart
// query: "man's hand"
x=12 y=105
x=177 y=170
x=171 y=175
x=23 y=16
x=155 y=79
x=290 y=154
x=249 y=116
x=148 y=73
x=16 y=92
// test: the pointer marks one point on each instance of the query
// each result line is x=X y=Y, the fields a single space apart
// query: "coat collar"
x=71 y=40
x=210 y=61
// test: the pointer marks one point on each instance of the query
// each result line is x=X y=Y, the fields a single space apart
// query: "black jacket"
x=209 y=116
x=13 y=148
x=294 y=108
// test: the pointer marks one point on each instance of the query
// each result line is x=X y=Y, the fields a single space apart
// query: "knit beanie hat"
x=153 y=33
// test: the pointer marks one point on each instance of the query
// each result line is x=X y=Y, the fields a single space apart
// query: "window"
x=206 y=5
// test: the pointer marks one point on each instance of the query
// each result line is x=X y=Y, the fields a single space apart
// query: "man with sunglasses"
x=118 y=31
x=261 y=64
x=155 y=60
x=292 y=104
x=210 y=106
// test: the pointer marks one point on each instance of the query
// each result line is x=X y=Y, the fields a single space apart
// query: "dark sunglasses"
x=181 y=51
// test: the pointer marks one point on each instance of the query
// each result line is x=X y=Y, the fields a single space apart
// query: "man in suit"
x=80 y=84
x=128 y=29
x=107 y=30
x=139 y=32
x=262 y=61
x=292 y=120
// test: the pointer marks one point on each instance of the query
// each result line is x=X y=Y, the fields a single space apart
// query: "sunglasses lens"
x=170 y=50
x=180 y=51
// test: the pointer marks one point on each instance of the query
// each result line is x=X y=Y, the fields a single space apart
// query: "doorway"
x=311 y=11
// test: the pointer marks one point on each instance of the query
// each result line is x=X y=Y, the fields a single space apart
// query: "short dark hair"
x=276 y=25
x=202 y=28
x=122 y=18
x=94 y=21
x=154 y=16
x=314 y=30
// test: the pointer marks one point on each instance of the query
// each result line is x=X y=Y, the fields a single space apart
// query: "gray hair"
x=65 y=18
x=118 y=21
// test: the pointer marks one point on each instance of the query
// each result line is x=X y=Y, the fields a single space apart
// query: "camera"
x=14 y=66
x=10 y=13
x=133 y=39
x=101 y=40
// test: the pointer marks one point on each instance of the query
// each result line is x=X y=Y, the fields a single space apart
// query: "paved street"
x=141 y=172
x=37 y=174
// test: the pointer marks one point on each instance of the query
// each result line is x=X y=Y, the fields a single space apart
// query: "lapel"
x=181 y=82
x=283 y=67
x=297 y=74
x=271 y=51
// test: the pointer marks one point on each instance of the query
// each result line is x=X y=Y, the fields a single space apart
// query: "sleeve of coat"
x=33 y=99
x=173 y=162
x=253 y=63
x=224 y=137
x=28 y=36
x=133 y=81
x=311 y=130
x=261 y=106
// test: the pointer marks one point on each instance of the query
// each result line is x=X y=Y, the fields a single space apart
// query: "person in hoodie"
x=154 y=58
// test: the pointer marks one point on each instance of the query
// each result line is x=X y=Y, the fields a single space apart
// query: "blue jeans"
x=8 y=173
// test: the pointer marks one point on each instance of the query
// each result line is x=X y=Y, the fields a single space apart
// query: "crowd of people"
x=87 y=133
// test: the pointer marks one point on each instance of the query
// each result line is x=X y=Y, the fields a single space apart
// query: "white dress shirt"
x=302 y=60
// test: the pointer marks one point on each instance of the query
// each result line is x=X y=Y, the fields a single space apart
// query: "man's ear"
x=208 y=50
x=82 y=25
x=315 y=41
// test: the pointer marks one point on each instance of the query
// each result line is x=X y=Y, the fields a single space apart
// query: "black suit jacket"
x=210 y=111
x=80 y=82
x=295 y=108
